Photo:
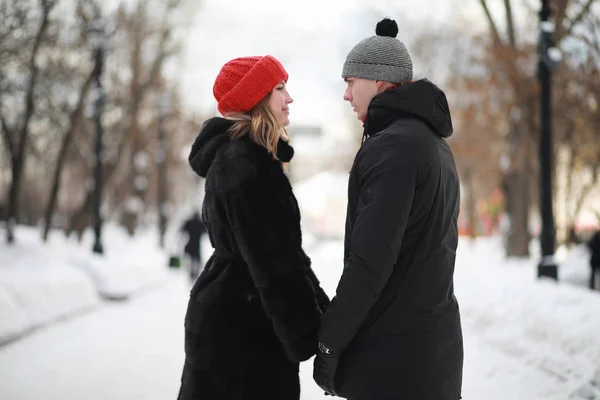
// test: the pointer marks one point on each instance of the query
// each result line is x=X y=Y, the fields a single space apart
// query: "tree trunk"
x=12 y=216
x=522 y=234
x=82 y=217
x=55 y=186
x=517 y=201
x=62 y=156
x=517 y=188
x=19 y=154
x=570 y=218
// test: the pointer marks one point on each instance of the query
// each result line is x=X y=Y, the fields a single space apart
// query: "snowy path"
x=134 y=350
x=124 y=351
x=494 y=373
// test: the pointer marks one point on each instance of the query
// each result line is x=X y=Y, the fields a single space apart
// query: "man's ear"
x=381 y=86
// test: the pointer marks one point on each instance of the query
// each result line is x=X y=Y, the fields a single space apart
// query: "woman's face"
x=279 y=103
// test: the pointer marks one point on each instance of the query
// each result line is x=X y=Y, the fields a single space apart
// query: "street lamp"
x=164 y=106
x=98 y=42
x=549 y=57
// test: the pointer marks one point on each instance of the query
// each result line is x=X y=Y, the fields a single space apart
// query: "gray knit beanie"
x=381 y=57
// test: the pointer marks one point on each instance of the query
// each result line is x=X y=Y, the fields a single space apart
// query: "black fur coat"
x=255 y=310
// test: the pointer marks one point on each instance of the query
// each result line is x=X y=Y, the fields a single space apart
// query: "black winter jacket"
x=254 y=311
x=395 y=315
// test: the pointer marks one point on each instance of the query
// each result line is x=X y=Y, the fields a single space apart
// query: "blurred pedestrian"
x=195 y=229
x=594 y=247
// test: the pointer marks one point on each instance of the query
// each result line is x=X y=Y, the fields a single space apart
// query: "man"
x=393 y=330
x=194 y=227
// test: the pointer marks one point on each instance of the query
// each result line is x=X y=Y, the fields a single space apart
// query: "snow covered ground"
x=524 y=338
x=535 y=339
x=40 y=283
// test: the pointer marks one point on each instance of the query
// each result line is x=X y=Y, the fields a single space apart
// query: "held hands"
x=325 y=367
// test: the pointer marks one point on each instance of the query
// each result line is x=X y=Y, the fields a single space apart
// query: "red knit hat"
x=243 y=82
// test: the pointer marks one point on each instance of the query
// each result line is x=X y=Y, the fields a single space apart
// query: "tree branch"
x=161 y=54
x=578 y=18
x=62 y=155
x=7 y=134
x=594 y=33
x=29 y=97
x=561 y=14
x=592 y=44
x=493 y=27
x=155 y=68
x=510 y=24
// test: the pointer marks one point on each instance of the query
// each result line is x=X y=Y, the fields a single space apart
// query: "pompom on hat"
x=381 y=57
x=243 y=82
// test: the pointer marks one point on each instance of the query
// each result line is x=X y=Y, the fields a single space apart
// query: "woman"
x=254 y=311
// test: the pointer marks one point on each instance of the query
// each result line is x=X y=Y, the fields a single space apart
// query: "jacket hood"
x=213 y=135
x=422 y=100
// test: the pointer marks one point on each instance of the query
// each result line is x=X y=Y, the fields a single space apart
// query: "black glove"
x=326 y=363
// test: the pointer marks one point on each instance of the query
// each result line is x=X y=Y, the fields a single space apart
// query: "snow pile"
x=549 y=326
x=122 y=351
x=36 y=287
x=116 y=280
x=40 y=283
x=128 y=265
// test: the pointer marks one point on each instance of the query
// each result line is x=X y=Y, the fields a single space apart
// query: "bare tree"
x=507 y=55
x=16 y=135
x=148 y=39
x=73 y=113
x=477 y=109
x=490 y=81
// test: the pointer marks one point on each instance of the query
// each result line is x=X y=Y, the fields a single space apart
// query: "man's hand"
x=325 y=367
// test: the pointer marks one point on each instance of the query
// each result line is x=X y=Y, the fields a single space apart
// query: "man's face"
x=359 y=93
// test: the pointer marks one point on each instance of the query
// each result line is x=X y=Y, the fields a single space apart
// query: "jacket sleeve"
x=276 y=265
x=387 y=184
x=321 y=297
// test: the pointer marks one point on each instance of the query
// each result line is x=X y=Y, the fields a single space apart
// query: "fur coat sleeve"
x=265 y=226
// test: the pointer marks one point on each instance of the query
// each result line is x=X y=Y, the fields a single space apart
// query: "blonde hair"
x=262 y=126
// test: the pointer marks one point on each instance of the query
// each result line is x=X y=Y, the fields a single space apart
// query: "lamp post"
x=164 y=106
x=98 y=41
x=549 y=56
